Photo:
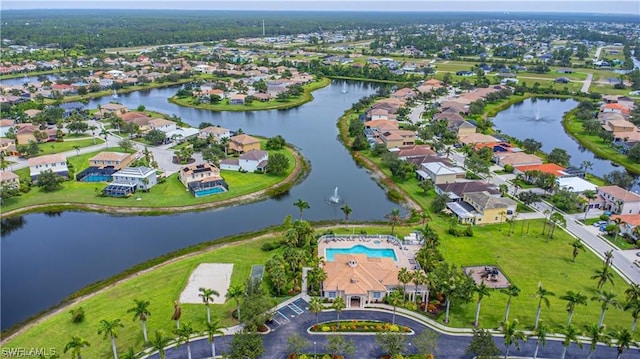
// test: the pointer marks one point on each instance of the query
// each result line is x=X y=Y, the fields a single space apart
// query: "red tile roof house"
x=251 y=161
x=628 y=222
x=619 y=200
x=56 y=163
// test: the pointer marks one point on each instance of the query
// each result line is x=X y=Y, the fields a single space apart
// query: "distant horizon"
x=595 y=7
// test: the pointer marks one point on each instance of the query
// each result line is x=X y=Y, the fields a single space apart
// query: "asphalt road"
x=449 y=346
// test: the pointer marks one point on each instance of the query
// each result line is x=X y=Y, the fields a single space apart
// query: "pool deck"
x=405 y=253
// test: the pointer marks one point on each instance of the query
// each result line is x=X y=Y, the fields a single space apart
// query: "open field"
x=59 y=147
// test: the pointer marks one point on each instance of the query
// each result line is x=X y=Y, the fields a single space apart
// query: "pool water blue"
x=97 y=178
x=208 y=191
x=360 y=249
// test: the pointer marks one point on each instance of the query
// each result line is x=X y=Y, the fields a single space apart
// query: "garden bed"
x=358 y=326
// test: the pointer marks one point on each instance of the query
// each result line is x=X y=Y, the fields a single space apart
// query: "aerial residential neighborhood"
x=320 y=180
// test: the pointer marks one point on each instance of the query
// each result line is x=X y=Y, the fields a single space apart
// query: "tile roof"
x=619 y=193
x=368 y=274
x=46 y=159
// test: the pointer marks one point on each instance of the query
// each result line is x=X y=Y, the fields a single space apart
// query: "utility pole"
x=263 y=29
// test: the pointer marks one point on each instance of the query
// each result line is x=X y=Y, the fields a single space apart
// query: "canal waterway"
x=47 y=257
x=541 y=119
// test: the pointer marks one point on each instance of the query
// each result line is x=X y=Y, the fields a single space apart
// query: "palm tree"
x=302 y=205
x=110 y=329
x=77 y=148
x=347 y=211
x=394 y=300
x=633 y=306
x=207 y=296
x=338 y=305
x=482 y=290
x=541 y=337
x=418 y=277
x=177 y=313
x=141 y=311
x=315 y=307
x=570 y=335
x=590 y=195
x=75 y=346
x=104 y=133
x=608 y=256
x=236 y=292
x=602 y=275
x=624 y=340
x=211 y=329
x=577 y=246
x=512 y=336
x=573 y=299
x=542 y=295
x=586 y=166
x=159 y=342
x=596 y=334
x=633 y=292
x=607 y=299
x=618 y=221
x=404 y=277
x=129 y=354
x=394 y=218
x=511 y=291
x=184 y=333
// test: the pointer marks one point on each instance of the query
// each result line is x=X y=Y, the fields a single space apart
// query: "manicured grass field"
x=59 y=147
x=161 y=287
x=172 y=193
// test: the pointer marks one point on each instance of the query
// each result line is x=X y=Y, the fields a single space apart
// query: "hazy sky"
x=630 y=7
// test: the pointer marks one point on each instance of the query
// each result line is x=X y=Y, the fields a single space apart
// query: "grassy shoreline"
x=298 y=170
x=576 y=130
x=259 y=106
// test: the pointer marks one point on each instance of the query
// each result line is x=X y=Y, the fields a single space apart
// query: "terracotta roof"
x=109 y=156
x=7 y=176
x=415 y=151
x=214 y=130
x=368 y=274
x=46 y=159
x=5 y=122
x=160 y=122
x=244 y=139
x=552 y=168
x=630 y=219
x=477 y=138
x=515 y=158
x=619 y=193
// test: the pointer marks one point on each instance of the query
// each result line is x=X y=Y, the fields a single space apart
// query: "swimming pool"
x=208 y=191
x=360 y=249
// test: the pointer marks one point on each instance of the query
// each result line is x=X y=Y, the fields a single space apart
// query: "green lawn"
x=172 y=193
x=161 y=287
x=256 y=105
x=58 y=147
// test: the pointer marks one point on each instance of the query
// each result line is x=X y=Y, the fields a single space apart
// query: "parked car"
x=599 y=223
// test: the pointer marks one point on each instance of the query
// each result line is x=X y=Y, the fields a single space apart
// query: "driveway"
x=450 y=346
x=587 y=83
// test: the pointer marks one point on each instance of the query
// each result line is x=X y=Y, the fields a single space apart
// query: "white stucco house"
x=250 y=161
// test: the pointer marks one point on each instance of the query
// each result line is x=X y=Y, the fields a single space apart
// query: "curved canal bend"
x=51 y=256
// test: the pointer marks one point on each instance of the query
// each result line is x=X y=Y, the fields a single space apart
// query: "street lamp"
x=314 y=350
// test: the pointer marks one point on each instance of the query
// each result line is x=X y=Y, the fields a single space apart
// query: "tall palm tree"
x=511 y=291
x=394 y=218
x=315 y=307
x=512 y=336
x=573 y=299
x=110 y=329
x=541 y=337
x=590 y=195
x=633 y=306
x=618 y=221
x=75 y=346
x=633 y=292
x=184 y=333
x=302 y=205
x=394 y=300
x=338 y=305
x=104 y=133
x=577 y=246
x=596 y=334
x=404 y=277
x=482 y=290
x=608 y=256
x=607 y=299
x=207 y=295
x=603 y=275
x=177 y=313
x=211 y=329
x=236 y=292
x=418 y=277
x=141 y=311
x=570 y=335
x=159 y=342
x=347 y=211
x=586 y=166
x=623 y=340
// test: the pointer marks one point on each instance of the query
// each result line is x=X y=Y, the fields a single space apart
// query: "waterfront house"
x=142 y=177
x=216 y=132
x=9 y=179
x=56 y=163
x=439 y=173
x=202 y=179
x=243 y=143
x=486 y=208
x=254 y=160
